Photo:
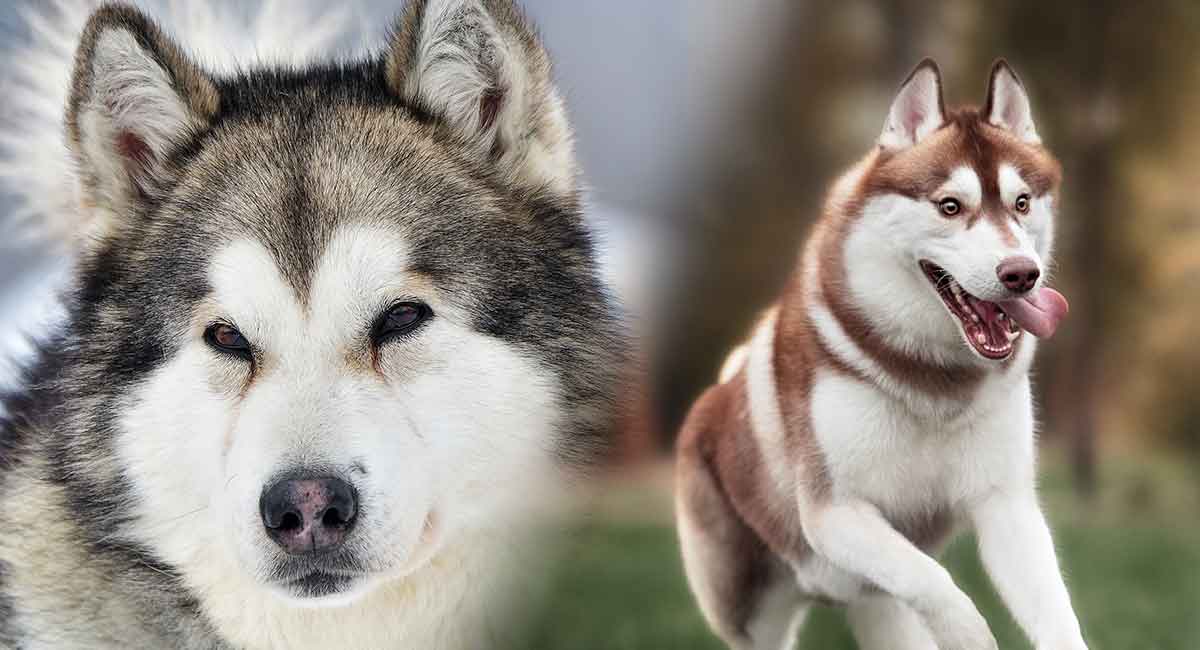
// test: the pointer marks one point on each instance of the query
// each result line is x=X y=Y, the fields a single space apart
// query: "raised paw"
x=1075 y=643
x=959 y=626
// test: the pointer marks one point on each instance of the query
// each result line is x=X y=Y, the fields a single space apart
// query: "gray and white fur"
x=371 y=278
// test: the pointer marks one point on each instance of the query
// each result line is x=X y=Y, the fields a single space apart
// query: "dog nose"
x=309 y=515
x=1019 y=274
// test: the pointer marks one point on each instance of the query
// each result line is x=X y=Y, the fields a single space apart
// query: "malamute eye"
x=1022 y=204
x=226 y=338
x=949 y=207
x=398 y=320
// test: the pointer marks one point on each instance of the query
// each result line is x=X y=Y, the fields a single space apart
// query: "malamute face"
x=343 y=323
x=333 y=409
x=957 y=221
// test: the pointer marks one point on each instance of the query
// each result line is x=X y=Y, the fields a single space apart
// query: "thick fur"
x=36 y=169
x=298 y=203
x=857 y=428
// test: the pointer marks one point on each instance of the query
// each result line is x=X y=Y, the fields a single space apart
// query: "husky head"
x=330 y=321
x=952 y=242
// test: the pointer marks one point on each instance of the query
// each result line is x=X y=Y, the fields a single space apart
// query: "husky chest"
x=885 y=398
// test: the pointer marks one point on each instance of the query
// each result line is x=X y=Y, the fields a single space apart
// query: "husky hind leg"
x=747 y=596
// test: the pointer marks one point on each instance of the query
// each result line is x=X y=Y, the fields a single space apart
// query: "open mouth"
x=985 y=324
x=992 y=327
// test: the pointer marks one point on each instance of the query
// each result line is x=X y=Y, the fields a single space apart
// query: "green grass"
x=1132 y=557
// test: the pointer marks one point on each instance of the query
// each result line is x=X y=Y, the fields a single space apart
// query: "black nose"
x=309 y=515
x=1019 y=274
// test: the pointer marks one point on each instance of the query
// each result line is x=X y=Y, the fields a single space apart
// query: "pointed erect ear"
x=917 y=110
x=477 y=66
x=1007 y=103
x=134 y=95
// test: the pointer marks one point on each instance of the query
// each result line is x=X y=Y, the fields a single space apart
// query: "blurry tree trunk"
x=903 y=22
x=763 y=185
x=1091 y=168
x=1077 y=377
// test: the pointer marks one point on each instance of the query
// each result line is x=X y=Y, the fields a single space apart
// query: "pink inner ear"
x=913 y=117
x=134 y=150
x=1012 y=112
x=1007 y=107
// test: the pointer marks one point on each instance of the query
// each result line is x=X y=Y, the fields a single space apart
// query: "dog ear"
x=1007 y=103
x=478 y=67
x=134 y=95
x=917 y=110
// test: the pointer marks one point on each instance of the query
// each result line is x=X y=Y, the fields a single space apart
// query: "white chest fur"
x=877 y=449
x=912 y=465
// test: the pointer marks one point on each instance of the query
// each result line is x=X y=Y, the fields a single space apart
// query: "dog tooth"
x=980 y=338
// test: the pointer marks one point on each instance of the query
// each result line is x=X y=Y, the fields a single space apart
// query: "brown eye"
x=1022 y=204
x=949 y=207
x=225 y=338
x=400 y=319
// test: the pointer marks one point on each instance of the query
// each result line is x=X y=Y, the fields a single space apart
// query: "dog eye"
x=1022 y=204
x=949 y=207
x=400 y=319
x=227 y=339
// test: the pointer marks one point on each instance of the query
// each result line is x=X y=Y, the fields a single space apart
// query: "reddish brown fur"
x=917 y=172
x=718 y=433
x=721 y=484
x=724 y=480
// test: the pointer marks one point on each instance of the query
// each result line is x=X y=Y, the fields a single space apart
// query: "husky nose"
x=1019 y=274
x=309 y=515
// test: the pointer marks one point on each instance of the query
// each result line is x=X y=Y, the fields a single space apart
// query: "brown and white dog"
x=885 y=398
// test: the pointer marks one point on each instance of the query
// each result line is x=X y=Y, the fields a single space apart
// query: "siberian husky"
x=336 y=333
x=885 y=398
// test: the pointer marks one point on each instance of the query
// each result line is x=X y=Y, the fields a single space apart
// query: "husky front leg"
x=1018 y=553
x=853 y=536
x=881 y=622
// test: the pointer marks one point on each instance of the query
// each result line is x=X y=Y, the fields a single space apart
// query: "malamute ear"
x=1008 y=104
x=917 y=110
x=133 y=95
x=478 y=66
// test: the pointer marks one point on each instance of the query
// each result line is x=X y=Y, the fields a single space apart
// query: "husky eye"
x=400 y=319
x=949 y=207
x=224 y=337
x=1022 y=204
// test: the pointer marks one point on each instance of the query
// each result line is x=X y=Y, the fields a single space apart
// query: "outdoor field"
x=1132 y=559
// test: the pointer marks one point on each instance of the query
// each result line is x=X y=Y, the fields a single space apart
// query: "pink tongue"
x=1039 y=313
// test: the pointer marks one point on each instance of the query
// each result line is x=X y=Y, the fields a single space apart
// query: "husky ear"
x=917 y=110
x=478 y=66
x=1008 y=104
x=134 y=94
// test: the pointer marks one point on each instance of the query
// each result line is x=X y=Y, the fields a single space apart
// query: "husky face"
x=954 y=238
x=345 y=317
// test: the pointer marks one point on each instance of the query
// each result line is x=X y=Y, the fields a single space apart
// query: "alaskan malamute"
x=336 y=332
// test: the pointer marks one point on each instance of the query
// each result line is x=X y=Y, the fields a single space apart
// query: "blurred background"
x=709 y=130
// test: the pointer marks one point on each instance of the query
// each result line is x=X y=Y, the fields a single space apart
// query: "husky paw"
x=959 y=626
x=1069 y=644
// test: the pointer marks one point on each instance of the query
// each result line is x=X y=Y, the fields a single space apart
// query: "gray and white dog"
x=334 y=334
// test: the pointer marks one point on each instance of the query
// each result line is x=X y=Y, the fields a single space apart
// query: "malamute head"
x=950 y=248
x=330 y=320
